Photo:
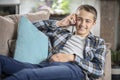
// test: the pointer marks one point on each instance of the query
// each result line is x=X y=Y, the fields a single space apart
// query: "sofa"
x=8 y=35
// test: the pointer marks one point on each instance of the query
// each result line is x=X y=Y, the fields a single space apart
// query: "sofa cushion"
x=31 y=44
x=6 y=33
x=43 y=14
x=40 y=15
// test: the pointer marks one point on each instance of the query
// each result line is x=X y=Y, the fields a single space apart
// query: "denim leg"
x=9 y=66
x=65 y=71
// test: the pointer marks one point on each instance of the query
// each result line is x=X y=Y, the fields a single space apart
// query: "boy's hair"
x=88 y=8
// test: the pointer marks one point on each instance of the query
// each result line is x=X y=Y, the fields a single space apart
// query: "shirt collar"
x=90 y=35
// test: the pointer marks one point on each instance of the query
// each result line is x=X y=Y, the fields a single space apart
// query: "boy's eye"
x=79 y=19
x=88 y=21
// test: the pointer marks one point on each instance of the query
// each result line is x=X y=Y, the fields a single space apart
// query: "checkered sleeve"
x=95 y=67
x=46 y=25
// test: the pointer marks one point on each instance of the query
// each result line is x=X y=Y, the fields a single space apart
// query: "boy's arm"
x=46 y=25
x=51 y=25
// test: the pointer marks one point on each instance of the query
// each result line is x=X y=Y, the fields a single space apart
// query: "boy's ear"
x=94 y=23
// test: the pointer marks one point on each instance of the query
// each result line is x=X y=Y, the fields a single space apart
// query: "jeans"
x=43 y=71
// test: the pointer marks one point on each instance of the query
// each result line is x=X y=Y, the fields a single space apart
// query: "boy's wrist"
x=58 y=24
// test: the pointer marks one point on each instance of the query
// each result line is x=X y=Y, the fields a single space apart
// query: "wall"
x=109 y=22
x=118 y=30
x=27 y=5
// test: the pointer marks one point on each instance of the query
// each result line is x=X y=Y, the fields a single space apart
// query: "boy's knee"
x=21 y=75
x=2 y=57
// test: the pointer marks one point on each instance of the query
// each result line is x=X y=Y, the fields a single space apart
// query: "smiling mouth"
x=82 y=28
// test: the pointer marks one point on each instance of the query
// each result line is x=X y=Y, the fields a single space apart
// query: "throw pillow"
x=31 y=44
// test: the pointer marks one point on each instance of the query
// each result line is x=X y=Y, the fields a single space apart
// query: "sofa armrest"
x=107 y=75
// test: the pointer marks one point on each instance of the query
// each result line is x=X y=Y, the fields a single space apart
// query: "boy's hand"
x=61 y=57
x=67 y=21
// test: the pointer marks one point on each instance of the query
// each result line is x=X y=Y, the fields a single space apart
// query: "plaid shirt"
x=94 y=52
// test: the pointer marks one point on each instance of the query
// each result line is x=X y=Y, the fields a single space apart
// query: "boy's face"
x=84 y=22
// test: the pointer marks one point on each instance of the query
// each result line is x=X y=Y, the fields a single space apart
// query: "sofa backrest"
x=9 y=25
